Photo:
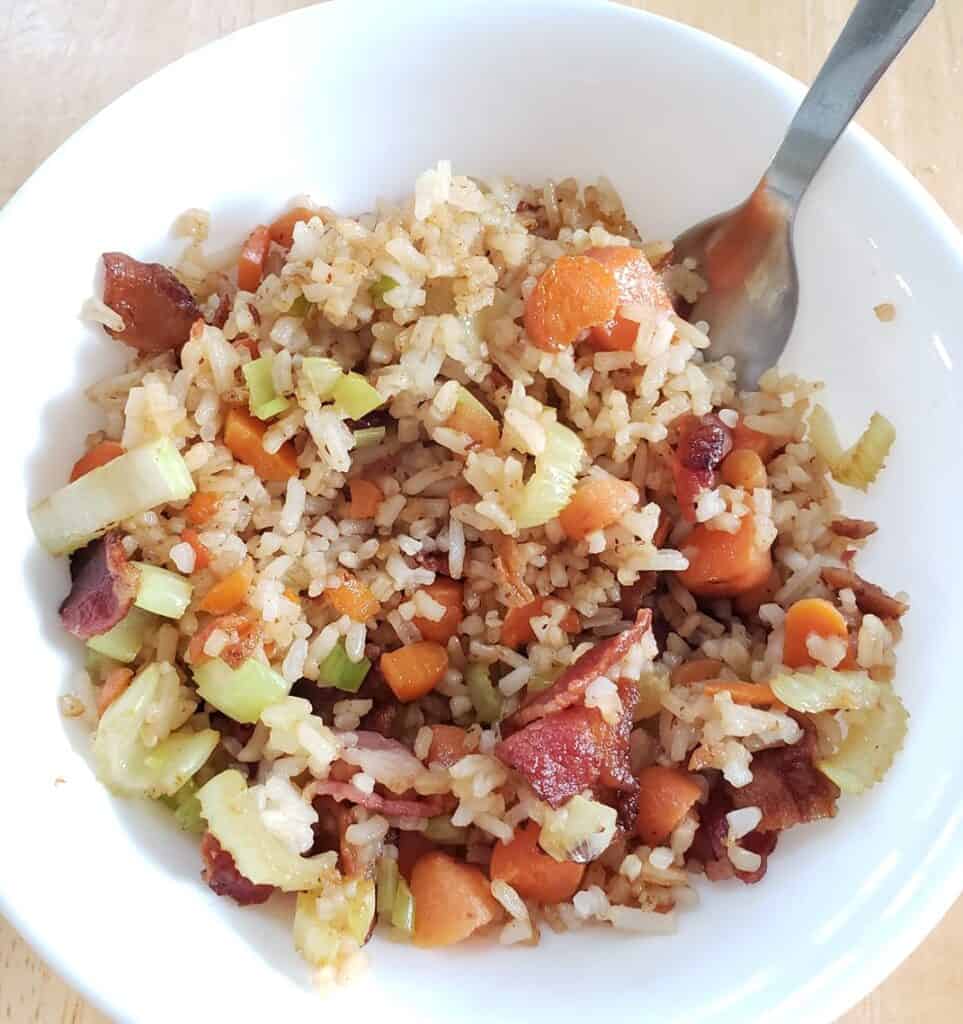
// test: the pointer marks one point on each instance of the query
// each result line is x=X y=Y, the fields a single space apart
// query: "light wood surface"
x=63 y=60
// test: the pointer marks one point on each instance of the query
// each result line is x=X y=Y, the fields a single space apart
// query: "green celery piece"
x=387 y=887
x=263 y=401
x=403 y=909
x=186 y=807
x=321 y=374
x=339 y=671
x=484 y=694
x=381 y=287
x=355 y=396
x=369 y=436
x=441 y=830
x=162 y=592
x=300 y=307
x=124 y=641
x=143 y=478
x=240 y=693
x=97 y=664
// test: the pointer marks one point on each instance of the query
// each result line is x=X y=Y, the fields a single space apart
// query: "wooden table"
x=62 y=60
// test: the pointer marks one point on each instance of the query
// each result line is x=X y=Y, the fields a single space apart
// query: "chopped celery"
x=652 y=687
x=387 y=887
x=549 y=489
x=355 y=396
x=823 y=689
x=403 y=908
x=241 y=693
x=485 y=697
x=441 y=830
x=97 y=664
x=859 y=465
x=162 y=592
x=124 y=641
x=381 y=287
x=233 y=818
x=135 y=482
x=874 y=737
x=368 y=436
x=580 y=830
x=339 y=671
x=323 y=941
x=321 y=374
x=186 y=807
x=300 y=307
x=124 y=763
x=263 y=401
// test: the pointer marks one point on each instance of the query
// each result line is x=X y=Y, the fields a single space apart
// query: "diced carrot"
x=597 y=503
x=472 y=418
x=449 y=743
x=807 y=617
x=665 y=796
x=98 y=456
x=244 y=437
x=764 y=445
x=245 y=341
x=724 y=564
x=202 y=557
x=462 y=496
x=365 y=499
x=117 y=681
x=230 y=592
x=415 y=670
x=254 y=253
x=695 y=671
x=638 y=284
x=531 y=872
x=452 y=900
x=573 y=294
x=201 y=507
x=742 y=693
x=748 y=602
x=517 y=627
x=743 y=467
x=449 y=593
x=353 y=598
x=412 y=846
x=292 y=596
x=282 y=230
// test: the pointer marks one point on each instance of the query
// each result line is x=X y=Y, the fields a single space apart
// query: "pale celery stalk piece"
x=441 y=830
x=186 y=808
x=381 y=287
x=355 y=397
x=339 y=671
x=823 y=689
x=873 y=739
x=652 y=687
x=549 y=489
x=147 y=476
x=263 y=401
x=403 y=909
x=387 y=887
x=240 y=693
x=484 y=695
x=321 y=374
x=125 y=764
x=123 y=642
x=234 y=819
x=580 y=830
x=367 y=437
x=859 y=465
x=325 y=942
x=162 y=592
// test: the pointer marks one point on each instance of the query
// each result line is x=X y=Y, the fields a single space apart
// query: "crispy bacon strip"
x=345 y=792
x=871 y=599
x=221 y=874
x=333 y=822
x=570 y=686
x=103 y=585
x=156 y=308
x=854 y=529
x=703 y=443
x=709 y=845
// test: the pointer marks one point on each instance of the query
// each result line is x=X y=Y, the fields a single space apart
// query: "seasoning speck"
x=71 y=706
x=885 y=312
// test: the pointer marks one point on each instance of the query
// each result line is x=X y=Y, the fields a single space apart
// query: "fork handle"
x=874 y=34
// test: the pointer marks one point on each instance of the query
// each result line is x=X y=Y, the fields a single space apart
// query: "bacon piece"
x=103 y=585
x=709 y=845
x=156 y=308
x=870 y=599
x=244 y=635
x=854 y=529
x=220 y=315
x=786 y=786
x=345 y=792
x=575 y=749
x=632 y=596
x=434 y=561
x=702 y=445
x=329 y=833
x=221 y=874
x=570 y=686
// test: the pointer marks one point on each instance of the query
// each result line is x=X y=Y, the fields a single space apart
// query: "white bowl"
x=349 y=101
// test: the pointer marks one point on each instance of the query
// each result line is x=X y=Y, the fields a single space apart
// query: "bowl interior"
x=350 y=102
